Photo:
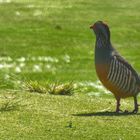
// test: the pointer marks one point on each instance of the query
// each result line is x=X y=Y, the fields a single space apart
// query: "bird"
x=113 y=70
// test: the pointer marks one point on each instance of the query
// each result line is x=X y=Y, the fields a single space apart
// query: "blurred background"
x=50 y=40
x=46 y=46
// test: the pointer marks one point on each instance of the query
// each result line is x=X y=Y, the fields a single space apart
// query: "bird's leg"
x=118 y=105
x=135 y=105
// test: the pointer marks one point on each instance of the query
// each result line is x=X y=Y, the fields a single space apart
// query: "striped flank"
x=122 y=77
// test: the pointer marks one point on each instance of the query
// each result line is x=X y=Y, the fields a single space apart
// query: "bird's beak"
x=92 y=27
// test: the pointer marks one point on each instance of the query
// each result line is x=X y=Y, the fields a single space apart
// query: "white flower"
x=1 y=66
x=17 y=13
x=66 y=58
x=6 y=59
x=5 y=1
x=21 y=59
x=37 y=68
x=48 y=66
x=17 y=69
x=22 y=64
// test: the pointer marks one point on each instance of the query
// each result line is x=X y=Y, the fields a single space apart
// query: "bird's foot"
x=118 y=111
x=135 y=110
x=126 y=111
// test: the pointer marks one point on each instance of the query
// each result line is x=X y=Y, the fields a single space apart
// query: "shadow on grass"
x=106 y=113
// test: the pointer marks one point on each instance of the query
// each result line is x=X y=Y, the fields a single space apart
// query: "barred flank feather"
x=122 y=77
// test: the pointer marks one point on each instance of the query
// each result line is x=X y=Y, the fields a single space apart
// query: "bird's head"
x=101 y=30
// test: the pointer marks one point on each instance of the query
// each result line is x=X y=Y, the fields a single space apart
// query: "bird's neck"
x=103 y=52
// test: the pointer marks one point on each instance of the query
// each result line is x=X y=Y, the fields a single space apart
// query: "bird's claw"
x=119 y=111
x=126 y=111
x=135 y=110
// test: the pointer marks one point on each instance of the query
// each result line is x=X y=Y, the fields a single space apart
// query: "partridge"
x=115 y=73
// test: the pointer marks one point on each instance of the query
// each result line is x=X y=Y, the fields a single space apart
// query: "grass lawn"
x=50 y=41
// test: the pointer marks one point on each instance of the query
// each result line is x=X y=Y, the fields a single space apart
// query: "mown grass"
x=45 y=116
x=49 y=41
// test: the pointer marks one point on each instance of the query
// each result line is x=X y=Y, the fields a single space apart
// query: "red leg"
x=135 y=105
x=118 y=105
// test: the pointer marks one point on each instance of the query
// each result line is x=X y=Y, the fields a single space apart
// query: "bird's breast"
x=102 y=71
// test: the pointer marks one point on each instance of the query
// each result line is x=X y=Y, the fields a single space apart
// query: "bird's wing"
x=124 y=62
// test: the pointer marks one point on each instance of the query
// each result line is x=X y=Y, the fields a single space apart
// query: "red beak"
x=92 y=27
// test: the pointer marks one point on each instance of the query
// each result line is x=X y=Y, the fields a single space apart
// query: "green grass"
x=45 y=116
x=50 y=41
